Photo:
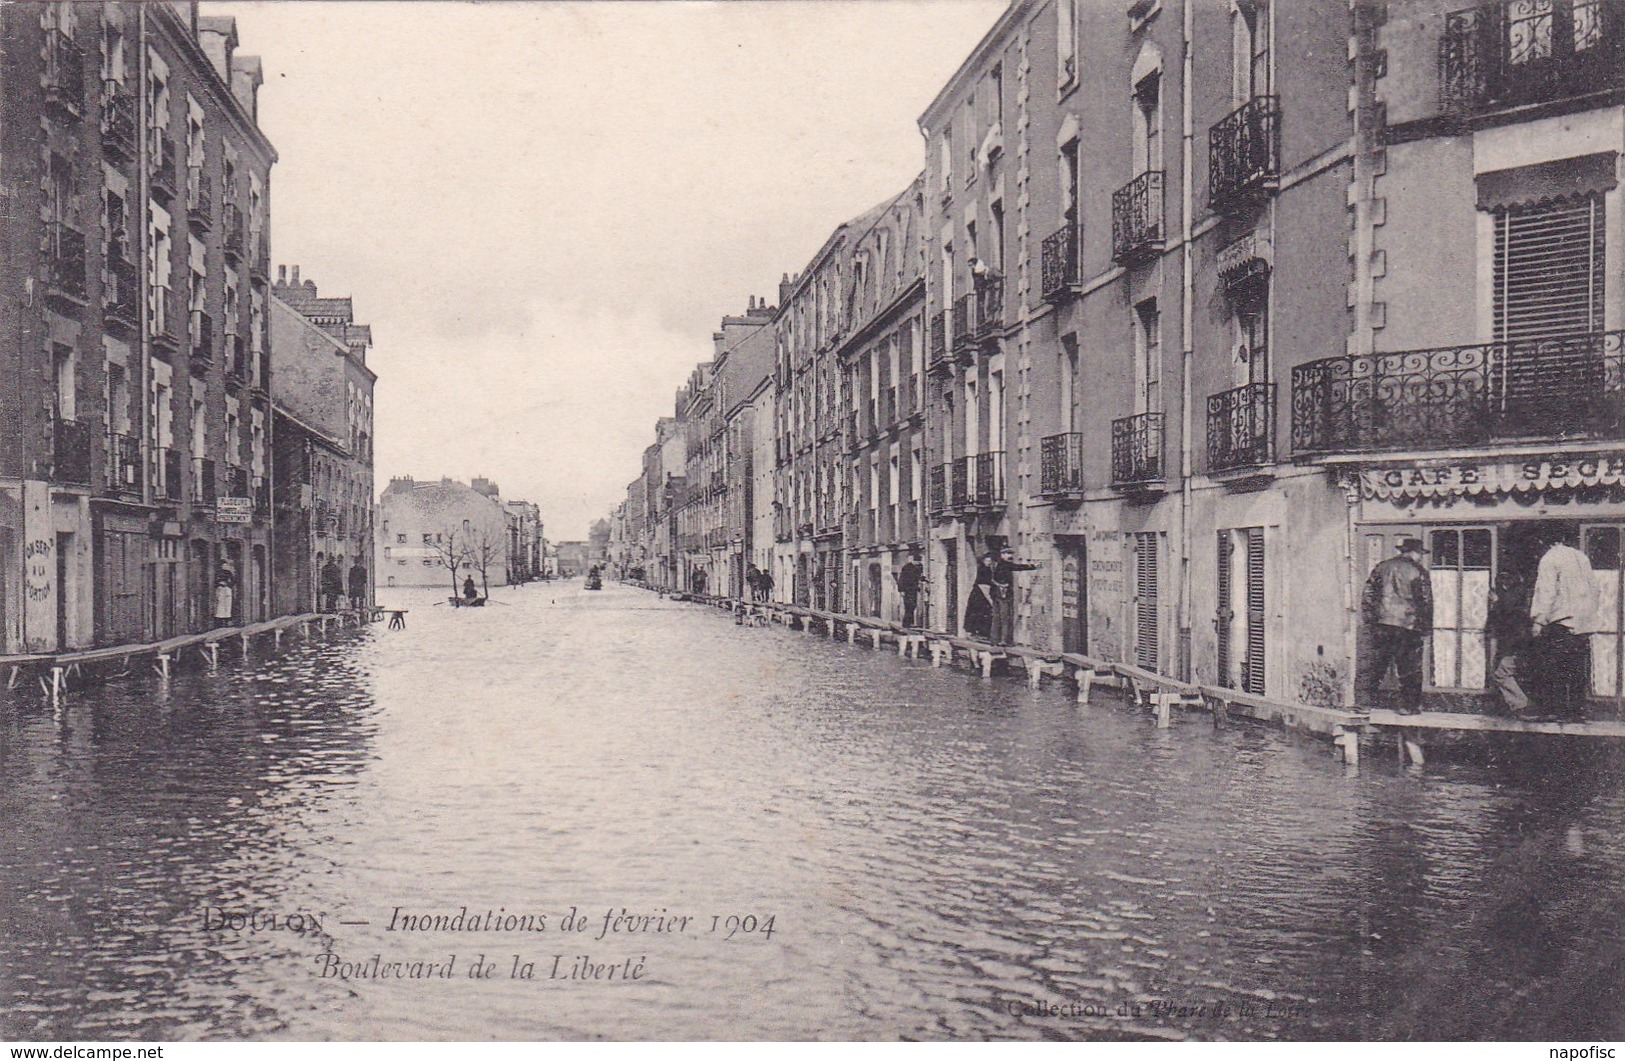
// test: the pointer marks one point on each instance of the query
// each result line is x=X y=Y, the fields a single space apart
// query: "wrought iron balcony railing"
x=1060 y=465
x=233 y=221
x=163 y=164
x=939 y=338
x=1517 y=52
x=1137 y=443
x=170 y=487
x=64 y=75
x=70 y=452
x=164 y=321
x=989 y=308
x=124 y=465
x=1137 y=217
x=1059 y=264
x=237 y=360
x=65 y=260
x=959 y=476
x=939 y=489
x=1244 y=155
x=1570 y=387
x=989 y=486
x=199 y=198
x=202 y=334
x=1241 y=427
x=964 y=311
x=118 y=120
x=204 y=487
x=121 y=294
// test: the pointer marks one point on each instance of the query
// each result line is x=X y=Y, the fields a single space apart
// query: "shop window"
x=1460 y=562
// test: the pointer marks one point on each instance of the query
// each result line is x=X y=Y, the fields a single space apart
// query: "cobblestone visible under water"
x=595 y=801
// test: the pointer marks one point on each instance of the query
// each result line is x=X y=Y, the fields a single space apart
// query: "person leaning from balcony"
x=358 y=585
x=1005 y=565
x=225 y=592
x=1562 y=618
x=332 y=584
x=1509 y=628
x=1398 y=609
x=909 y=577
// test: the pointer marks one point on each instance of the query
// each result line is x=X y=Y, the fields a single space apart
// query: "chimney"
x=282 y=276
x=217 y=36
x=246 y=78
x=296 y=276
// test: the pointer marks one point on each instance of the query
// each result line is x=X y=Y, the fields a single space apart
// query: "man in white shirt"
x=1563 y=616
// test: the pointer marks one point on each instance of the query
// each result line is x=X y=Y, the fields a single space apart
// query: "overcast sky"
x=544 y=209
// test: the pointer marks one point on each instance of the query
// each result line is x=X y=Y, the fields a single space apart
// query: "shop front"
x=1486 y=522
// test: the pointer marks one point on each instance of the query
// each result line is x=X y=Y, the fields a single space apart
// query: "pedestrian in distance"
x=1562 y=618
x=471 y=592
x=753 y=581
x=225 y=593
x=909 y=577
x=332 y=585
x=1397 y=607
x=358 y=585
x=766 y=582
x=1508 y=628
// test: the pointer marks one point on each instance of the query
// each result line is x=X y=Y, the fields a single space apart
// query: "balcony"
x=1241 y=428
x=939 y=489
x=164 y=323
x=1059 y=265
x=1519 y=52
x=237 y=361
x=199 y=199
x=204 y=487
x=64 y=260
x=1137 y=443
x=989 y=309
x=163 y=168
x=939 y=340
x=988 y=489
x=1570 y=387
x=170 y=488
x=70 y=452
x=118 y=121
x=233 y=221
x=960 y=473
x=1137 y=218
x=124 y=465
x=202 y=335
x=121 y=292
x=1060 y=466
x=964 y=310
x=64 y=75
x=1244 y=156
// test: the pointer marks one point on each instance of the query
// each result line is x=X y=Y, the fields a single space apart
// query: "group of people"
x=1539 y=632
x=990 y=612
x=759 y=582
x=333 y=585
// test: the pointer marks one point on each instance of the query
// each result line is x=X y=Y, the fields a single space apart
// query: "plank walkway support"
x=911 y=645
x=163 y=666
x=1347 y=741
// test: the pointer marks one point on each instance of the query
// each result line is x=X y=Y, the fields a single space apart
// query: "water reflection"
x=942 y=857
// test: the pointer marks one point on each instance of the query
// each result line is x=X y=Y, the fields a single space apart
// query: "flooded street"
x=862 y=846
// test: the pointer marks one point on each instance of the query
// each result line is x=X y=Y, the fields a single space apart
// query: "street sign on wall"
x=234 y=510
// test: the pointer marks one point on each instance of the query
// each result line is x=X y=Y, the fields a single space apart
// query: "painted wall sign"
x=41 y=569
x=1460 y=478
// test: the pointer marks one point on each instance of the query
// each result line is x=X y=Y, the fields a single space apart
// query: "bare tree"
x=483 y=550
x=450 y=553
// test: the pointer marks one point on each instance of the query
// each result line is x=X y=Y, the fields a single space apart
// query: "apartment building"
x=134 y=441
x=432 y=533
x=322 y=401
x=882 y=361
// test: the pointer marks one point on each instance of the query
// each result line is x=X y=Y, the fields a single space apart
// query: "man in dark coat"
x=358 y=585
x=1398 y=610
x=332 y=585
x=1005 y=565
x=909 y=578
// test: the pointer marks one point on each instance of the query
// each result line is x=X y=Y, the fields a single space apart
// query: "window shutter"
x=1253 y=680
x=1145 y=642
x=1548 y=269
x=1223 y=617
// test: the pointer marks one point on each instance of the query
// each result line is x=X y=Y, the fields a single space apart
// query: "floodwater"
x=303 y=845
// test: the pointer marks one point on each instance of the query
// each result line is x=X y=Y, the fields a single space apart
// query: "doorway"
x=1074 y=595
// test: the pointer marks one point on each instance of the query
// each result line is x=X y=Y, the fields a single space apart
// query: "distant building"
x=322 y=396
x=572 y=559
x=524 y=540
x=428 y=530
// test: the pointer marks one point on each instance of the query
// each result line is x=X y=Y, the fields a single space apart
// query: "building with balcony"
x=116 y=299
x=322 y=474
x=882 y=362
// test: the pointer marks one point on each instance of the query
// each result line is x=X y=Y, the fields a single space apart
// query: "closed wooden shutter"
x=1548 y=269
x=1145 y=571
x=1253 y=677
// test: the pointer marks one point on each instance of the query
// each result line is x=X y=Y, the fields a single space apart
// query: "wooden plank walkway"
x=1464 y=723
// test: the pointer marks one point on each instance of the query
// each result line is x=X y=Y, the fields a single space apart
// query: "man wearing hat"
x=1398 y=609
x=1562 y=616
